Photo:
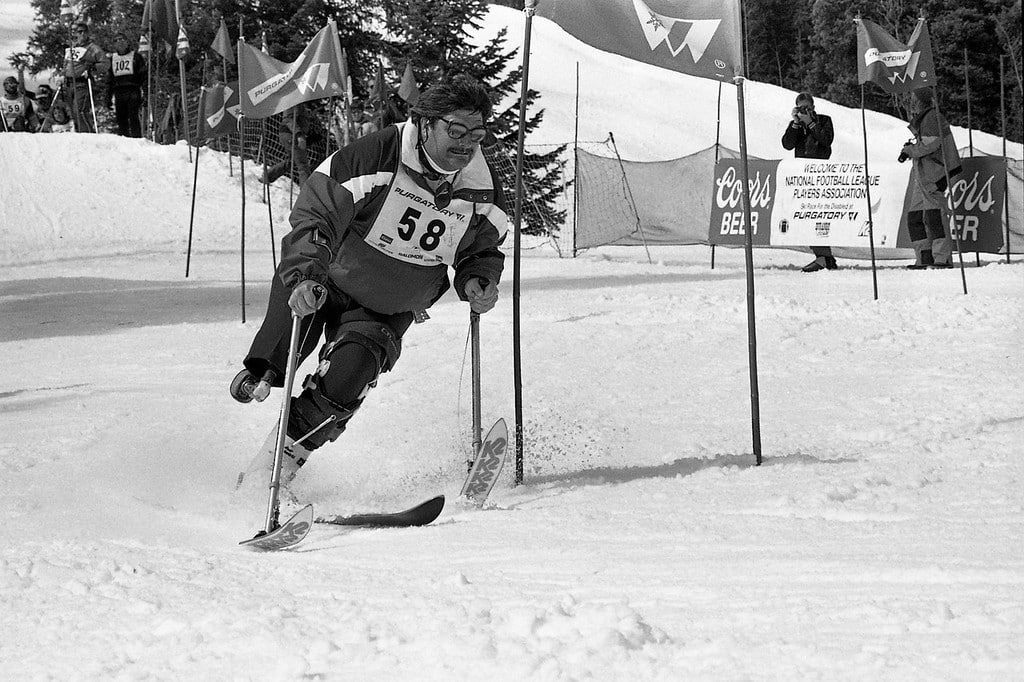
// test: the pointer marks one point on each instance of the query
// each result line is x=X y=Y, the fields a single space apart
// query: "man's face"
x=10 y=88
x=81 y=34
x=121 y=44
x=452 y=140
x=805 y=106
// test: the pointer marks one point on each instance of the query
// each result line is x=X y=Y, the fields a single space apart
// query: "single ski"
x=420 y=515
x=488 y=465
x=291 y=533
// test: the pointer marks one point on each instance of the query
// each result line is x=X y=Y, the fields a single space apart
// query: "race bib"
x=411 y=228
x=12 y=109
x=123 y=64
x=73 y=54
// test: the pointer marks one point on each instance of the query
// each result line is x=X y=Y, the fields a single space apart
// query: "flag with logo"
x=220 y=110
x=269 y=86
x=222 y=44
x=698 y=37
x=160 y=15
x=895 y=66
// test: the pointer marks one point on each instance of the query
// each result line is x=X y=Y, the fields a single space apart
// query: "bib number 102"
x=431 y=237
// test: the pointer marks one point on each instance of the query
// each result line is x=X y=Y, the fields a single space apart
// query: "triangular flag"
x=181 y=50
x=222 y=44
x=408 y=90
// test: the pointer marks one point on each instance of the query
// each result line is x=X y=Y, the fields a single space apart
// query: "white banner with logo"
x=809 y=202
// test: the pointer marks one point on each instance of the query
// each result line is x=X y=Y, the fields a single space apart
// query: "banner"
x=696 y=37
x=812 y=202
x=809 y=202
x=220 y=110
x=974 y=206
x=894 y=66
x=270 y=86
x=407 y=89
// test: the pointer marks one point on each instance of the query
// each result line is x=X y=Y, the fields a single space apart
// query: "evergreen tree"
x=433 y=36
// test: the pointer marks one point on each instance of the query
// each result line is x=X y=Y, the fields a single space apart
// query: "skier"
x=16 y=112
x=126 y=77
x=374 y=230
x=80 y=62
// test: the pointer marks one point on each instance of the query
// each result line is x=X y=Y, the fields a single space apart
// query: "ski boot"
x=256 y=478
x=245 y=387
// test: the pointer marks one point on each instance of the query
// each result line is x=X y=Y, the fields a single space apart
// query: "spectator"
x=809 y=134
x=362 y=120
x=294 y=136
x=126 y=78
x=18 y=114
x=81 y=61
x=934 y=155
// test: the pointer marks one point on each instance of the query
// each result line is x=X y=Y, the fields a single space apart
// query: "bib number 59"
x=431 y=237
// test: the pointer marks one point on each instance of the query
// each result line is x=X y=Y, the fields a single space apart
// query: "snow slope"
x=881 y=539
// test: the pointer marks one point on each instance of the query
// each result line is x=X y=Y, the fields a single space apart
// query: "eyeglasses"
x=457 y=131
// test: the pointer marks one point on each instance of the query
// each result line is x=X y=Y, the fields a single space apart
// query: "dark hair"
x=460 y=92
x=82 y=25
x=805 y=97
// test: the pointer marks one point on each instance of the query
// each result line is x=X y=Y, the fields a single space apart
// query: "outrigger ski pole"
x=273 y=506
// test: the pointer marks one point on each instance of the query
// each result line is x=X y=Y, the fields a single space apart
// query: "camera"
x=903 y=155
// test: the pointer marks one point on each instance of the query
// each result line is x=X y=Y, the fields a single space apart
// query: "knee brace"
x=349 y=368
x=915 y=226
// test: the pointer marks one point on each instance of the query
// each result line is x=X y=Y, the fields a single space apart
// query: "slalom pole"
x=241 y=159
x=291 y=163
x=867 y=188
x=529 y=7
x=1006 y=161
x=576 y=162
x=718 y=137
x=474 y=340
x=195 y=183
x=231 y=163
x=748 y=248
x=970 y=135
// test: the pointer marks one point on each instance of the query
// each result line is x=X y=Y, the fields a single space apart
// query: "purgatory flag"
x=222 y=43
x=220 y=110
x=894 y=66
x=697 y=37
x=270 y=86
x=164 y=20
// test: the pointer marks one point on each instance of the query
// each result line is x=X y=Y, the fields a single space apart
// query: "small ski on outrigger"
x=487 y=465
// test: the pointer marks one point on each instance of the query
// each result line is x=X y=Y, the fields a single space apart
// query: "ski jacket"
x=126 y=72
x=80 y=61
x=366 y=219
x=932 y=140
x=811 y=141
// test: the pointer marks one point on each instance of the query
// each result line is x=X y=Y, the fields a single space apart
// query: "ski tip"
x=291 y=532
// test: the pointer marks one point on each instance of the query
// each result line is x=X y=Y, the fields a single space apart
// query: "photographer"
x=809 y=135
x=933 y=153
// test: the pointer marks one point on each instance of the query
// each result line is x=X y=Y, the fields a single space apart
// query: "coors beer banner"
x=810 y=202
